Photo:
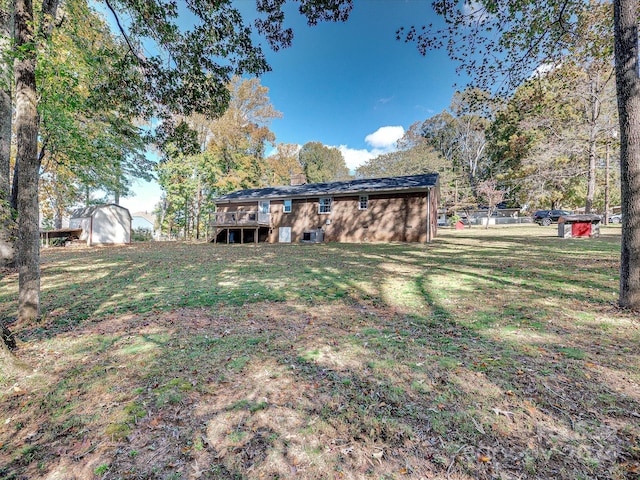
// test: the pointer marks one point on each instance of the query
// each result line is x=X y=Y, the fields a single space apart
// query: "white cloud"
x=354 y=158
x=381 y=141
x=385 y=138
x=542 y=70
x=147 y=196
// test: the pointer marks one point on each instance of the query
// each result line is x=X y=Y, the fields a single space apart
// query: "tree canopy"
x=229 y=156
x=322 y=164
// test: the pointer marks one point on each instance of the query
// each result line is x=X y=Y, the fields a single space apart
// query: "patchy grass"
x=493 y=353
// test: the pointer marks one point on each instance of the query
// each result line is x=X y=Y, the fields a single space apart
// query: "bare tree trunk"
x=163 y=212
x=628 y=93
x=28 y=164
x=607 y=184
x=14 y=187
x=593 y=139
x=186 y=218
x=591 y=180
x=58 y=209
x=27 y=158
x=198 y=209
x=7 y=221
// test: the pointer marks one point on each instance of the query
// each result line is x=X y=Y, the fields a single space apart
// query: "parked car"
x=617 y=218
x=547 y=217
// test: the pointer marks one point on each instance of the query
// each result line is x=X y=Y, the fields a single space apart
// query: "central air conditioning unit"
x=313 y=236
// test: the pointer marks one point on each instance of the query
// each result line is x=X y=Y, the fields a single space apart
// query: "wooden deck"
x=239 y=226
x=240 y=219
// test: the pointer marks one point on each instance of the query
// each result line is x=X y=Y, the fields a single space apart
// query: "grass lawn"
x=494 y=353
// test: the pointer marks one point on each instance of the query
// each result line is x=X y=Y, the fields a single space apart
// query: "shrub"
x=141 y=235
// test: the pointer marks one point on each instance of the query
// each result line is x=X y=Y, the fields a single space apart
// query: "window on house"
x=364 y=202
x=325 y=205
x=286 y=208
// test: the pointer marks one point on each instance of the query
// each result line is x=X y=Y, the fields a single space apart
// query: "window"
x=325 y=205
x=364 y=202
x=263 y=206
x=286 y=208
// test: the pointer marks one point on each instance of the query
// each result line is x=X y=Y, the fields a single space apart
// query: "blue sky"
x=349 y=85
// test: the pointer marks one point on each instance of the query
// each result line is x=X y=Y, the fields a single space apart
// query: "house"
x=102 y=224
x=144 y=221
x=366 y=210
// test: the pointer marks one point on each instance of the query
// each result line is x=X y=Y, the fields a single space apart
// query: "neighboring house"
x=102 y=224
x=145 y=221
x=142 y=220
x=389 y=209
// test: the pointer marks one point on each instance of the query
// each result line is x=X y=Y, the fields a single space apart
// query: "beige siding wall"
x=387 y=218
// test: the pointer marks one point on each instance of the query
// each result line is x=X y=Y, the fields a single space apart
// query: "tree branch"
x=43 y=149
x=124 y=34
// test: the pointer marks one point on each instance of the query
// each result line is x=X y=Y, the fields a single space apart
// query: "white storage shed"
x=103 y=224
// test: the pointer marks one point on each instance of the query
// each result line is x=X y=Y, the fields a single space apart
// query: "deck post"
x=255 y=236
x=241 y=235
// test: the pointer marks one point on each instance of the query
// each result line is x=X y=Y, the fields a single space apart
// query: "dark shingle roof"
x=367 y=185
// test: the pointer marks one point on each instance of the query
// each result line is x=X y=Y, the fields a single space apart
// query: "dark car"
x=547 y=217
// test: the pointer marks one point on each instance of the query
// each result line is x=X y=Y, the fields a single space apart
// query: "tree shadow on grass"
x=362 y=366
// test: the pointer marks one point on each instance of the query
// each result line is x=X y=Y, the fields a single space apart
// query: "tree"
x=7 y=203
x=535 y=147
x=65 y=120
x=322 y=164
x=588 y=75
x=229 y=156
x=459 y=139
x=179 y=177
x=502 y=43
x=458 y=135
x=26 y=41
x=189 y=74
x=491 y=195
x=415 y=160
x=239 y=137
x=628 y=93
x=58 y=192
x=283 y=165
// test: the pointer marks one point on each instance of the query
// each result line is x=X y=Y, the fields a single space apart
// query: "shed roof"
x=366 y=185
x=90 y=211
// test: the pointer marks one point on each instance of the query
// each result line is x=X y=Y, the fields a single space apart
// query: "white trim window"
x=324 y=205
x=363 y=202
x=286 y=206
x=263 y=206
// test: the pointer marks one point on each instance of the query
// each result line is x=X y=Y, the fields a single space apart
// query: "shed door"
x=284 y=235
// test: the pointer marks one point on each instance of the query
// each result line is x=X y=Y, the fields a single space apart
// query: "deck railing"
x=240 y=218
